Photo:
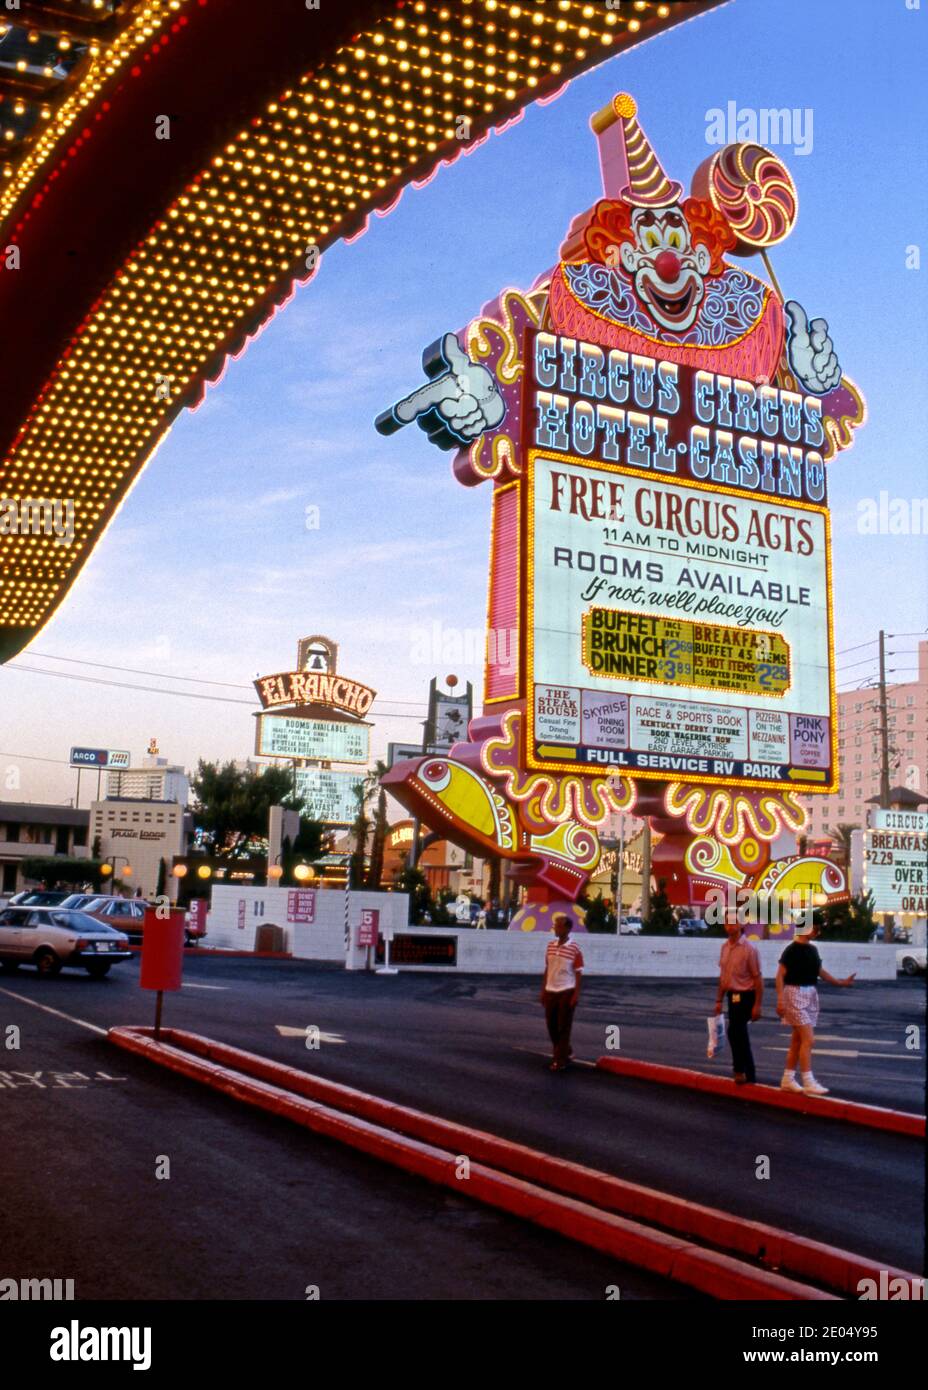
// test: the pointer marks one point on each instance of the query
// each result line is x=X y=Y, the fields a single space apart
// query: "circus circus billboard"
x=656 y=421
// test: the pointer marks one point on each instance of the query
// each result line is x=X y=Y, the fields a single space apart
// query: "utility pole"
x=620 y=873
x=646 y=871
x=428 y=736
x=884 y=727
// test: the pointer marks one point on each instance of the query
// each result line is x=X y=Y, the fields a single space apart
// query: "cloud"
x=282 y=494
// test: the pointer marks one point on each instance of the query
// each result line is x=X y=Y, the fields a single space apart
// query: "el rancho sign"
x=315 y=683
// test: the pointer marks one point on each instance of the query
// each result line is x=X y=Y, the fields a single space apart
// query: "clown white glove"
x=810 y=351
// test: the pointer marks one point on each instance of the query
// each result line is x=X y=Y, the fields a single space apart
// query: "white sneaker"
x=789 y=1083
x=812 y=1088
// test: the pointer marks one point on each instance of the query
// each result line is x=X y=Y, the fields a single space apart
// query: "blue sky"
x=210 y=570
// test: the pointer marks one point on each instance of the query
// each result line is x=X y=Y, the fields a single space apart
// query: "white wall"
x=516 y=953
x=236 y=913
x=500 y=952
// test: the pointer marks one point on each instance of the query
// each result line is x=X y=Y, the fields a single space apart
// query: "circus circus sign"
x=656 y=418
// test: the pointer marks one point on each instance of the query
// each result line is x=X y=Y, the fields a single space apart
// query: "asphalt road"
x=256 y=1208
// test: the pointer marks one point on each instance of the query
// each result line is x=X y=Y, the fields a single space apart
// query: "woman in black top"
x=797 y=1004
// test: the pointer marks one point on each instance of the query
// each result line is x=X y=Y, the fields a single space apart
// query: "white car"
x=52 y=937
x=630 y=926
x=911 y=960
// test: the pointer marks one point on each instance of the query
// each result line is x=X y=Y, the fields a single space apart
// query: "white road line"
x=57 y=1012
x=188 y=984
x=286 y=1031
x=533 y=1052
x=874 y=1042
x=836 y=1052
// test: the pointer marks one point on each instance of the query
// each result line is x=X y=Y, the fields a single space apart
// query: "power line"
x=864 y=661
x=182 y=694
x=127 y=685
x=163 y=675
x=33 y=758
x=845 y=650
x=134 y=671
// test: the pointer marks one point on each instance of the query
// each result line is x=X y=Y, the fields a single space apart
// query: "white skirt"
x=800 y=1005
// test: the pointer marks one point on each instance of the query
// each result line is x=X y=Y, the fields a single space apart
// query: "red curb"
x=797 y=1255
x=854 y=1112
x=672 y=1256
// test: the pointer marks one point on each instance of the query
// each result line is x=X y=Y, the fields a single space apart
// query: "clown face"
x=667 y=270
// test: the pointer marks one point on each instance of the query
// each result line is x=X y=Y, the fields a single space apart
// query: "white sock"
x=789 y=1074
x=807 y=1076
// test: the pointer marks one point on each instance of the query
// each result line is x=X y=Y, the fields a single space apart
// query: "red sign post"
x=370 y=926
x=162 y=955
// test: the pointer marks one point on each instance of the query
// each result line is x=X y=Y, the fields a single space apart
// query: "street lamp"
x=303 y=873
x=108 y=868
x=179 y=873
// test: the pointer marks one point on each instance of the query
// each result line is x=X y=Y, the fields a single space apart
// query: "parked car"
x=52 y=937
x=879 y=933
x=125 y=914
x=691 y=926
x=911 y=960
x=128 y=915
x=39 y=897
x=630 y=926
x=195 y=930
x=82 y=901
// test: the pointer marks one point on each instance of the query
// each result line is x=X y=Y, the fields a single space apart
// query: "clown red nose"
x=667 y=266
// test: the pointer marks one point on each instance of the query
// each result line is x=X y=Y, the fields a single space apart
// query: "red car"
x=125 y=914
x=128 y=915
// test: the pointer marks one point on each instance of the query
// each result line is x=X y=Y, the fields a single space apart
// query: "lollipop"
x=753 y=191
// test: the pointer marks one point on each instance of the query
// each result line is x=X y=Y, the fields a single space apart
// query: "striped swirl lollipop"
x=754 y=192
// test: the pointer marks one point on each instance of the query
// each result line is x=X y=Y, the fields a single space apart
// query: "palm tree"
x=842 y=836
x=381 y=826
x=359 y=830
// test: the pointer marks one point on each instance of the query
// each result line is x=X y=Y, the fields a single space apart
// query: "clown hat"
x=629 y=163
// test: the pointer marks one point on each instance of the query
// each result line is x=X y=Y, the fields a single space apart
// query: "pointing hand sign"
x=458 y=402
x=444 y=362
x=810 y=351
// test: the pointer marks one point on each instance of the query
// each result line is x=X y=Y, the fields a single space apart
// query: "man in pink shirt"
x=741 y=983
x=560 y=988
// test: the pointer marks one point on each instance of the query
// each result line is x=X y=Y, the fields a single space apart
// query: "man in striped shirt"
x=560 y=989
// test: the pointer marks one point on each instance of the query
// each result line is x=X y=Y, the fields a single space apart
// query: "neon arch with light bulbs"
x=133 y=266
